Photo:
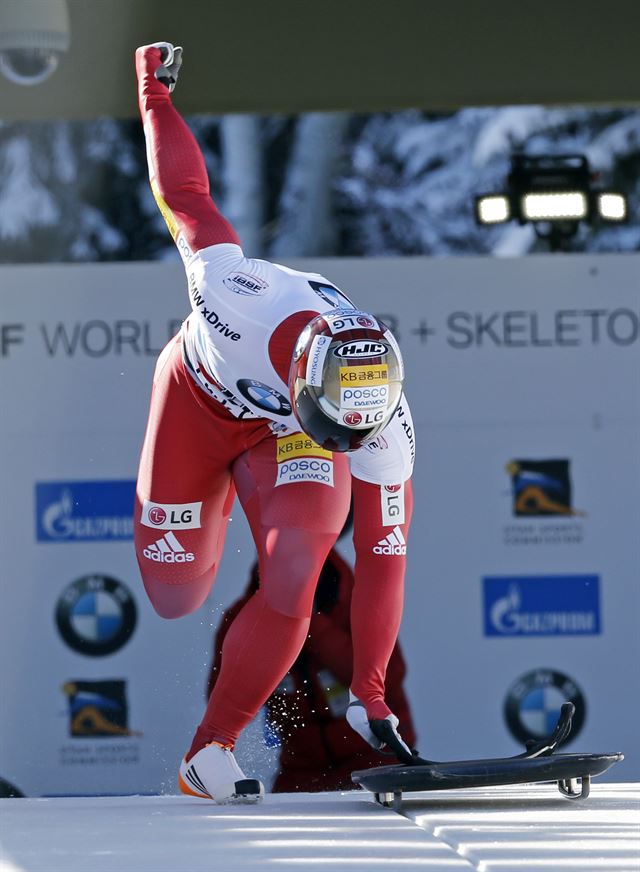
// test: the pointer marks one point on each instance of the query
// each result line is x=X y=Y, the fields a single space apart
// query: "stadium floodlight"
x=612 y=206
x=566 y=205
x=554 y=193
x=492 y=209
x=33 y=36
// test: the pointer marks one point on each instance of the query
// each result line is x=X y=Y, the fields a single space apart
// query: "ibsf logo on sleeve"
x=171 y=516
x=245 y=285
x=300 y=459
x=392 y=504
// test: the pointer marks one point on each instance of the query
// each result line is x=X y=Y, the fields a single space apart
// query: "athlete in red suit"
x=279 y=390
x=307 y=710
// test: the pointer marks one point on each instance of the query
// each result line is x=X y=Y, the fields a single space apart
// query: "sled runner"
x=572 y=772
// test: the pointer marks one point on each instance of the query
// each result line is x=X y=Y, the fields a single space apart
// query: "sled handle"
x=546 y=747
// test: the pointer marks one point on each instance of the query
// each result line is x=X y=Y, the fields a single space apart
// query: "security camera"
x=33 y=36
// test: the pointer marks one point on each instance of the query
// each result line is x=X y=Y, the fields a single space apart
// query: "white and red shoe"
x=213 y=773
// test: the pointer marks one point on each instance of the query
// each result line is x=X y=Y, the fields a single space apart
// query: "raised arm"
x=177 y=170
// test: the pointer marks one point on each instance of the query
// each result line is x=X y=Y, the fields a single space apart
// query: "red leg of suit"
x=294 y=527
x=378 y=596
x=193 y=452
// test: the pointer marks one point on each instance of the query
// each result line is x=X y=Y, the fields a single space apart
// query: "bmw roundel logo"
x=96 y=615
x=533 y=702
x=263 y=396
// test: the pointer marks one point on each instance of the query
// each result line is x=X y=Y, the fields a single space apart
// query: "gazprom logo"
x=84 y=511
x=548 y=605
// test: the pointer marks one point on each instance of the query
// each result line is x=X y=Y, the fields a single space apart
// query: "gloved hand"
x=171 y=58
x=377 y=733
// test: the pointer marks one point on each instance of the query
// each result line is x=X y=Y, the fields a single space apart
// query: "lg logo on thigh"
x=171 y=516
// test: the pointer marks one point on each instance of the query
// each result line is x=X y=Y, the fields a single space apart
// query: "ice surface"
x=500 y=829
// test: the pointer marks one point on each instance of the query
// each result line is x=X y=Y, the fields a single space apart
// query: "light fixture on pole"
x=554 y=193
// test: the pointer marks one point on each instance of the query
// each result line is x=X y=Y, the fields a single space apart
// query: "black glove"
x=171 y=58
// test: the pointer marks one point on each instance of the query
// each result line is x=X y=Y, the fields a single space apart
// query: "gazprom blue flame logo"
x=84 y=511
x=56 y=519
x=504 y=611
x=547 y=605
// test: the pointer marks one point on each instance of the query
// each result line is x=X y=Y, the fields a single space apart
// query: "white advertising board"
x=523 y=378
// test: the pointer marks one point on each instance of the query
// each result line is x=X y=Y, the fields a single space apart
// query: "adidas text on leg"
x=167 y=549
x=393 y=543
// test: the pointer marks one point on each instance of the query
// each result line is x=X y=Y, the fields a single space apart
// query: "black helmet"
x=345 y=379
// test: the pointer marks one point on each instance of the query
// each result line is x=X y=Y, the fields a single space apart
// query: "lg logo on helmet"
x=171 y=516
x=351 y=321
x=364 y=419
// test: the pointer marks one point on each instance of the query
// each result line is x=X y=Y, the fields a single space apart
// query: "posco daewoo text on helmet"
x=345 y=379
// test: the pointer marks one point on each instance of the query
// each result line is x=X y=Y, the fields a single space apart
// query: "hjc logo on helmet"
x=361 y=348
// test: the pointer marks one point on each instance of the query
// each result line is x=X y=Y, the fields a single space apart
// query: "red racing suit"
x=221 y=424
x=307 y=710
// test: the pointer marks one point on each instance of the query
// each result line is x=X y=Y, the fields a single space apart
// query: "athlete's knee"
x=289 y=573
x=175 y=600
x=177 y=570
x=177 y=583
